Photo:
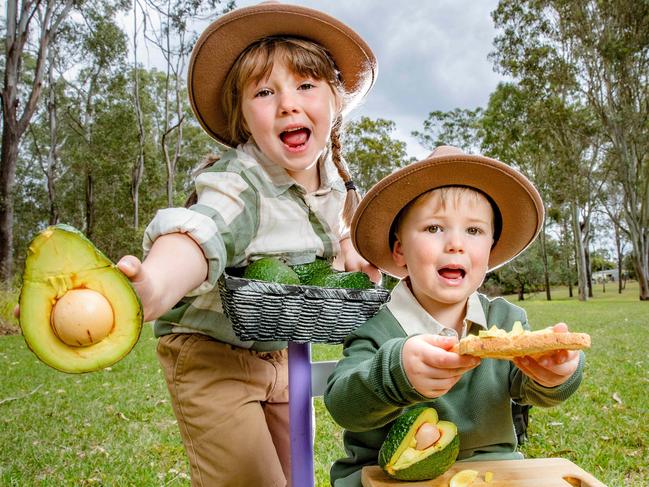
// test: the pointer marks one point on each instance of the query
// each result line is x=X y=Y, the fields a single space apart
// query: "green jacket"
x=368 y=390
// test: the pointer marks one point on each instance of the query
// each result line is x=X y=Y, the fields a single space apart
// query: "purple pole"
x=300 y=413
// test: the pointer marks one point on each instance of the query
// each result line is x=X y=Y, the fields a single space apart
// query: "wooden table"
x=536 y=472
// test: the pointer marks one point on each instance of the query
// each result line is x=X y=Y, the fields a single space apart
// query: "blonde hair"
x=304 y=58
x=445 y=194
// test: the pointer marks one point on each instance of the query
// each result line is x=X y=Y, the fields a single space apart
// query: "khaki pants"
x=232 y=409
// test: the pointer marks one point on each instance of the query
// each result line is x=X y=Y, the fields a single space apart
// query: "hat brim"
x=222 y=42
x=518 y=201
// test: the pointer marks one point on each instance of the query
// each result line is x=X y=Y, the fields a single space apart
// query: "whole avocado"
x=348 y=280
x=271 y=269
x=313 y=273
x=399 y=456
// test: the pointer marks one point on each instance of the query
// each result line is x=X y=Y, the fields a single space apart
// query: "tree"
x=175 y=40
x=371 y=152
x=599 y=53
x=29 y=31
x=459 y=127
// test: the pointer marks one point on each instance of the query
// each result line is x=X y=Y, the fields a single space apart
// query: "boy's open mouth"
x=296 y=137
x=451 y=273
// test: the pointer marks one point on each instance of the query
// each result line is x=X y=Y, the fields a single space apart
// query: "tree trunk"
x=90 y=205
x=7 y=177
x=19 y=28
x=138 y=166
x=544 y=256
x=580 y=257
x=52 y=158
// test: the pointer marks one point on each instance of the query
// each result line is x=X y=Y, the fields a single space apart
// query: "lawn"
x=116 y=426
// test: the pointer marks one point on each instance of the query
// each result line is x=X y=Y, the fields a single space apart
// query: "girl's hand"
x=431 y=367
x=550 y=369
x=354 y=262
x=132 y=268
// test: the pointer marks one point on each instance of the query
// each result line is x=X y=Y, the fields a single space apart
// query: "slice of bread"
x=507 y=346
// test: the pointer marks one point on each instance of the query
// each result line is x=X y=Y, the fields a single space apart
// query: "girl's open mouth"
x=295 y=138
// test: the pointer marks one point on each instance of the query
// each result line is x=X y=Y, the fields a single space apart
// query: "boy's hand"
x=132 y=268
x=430 y=366
x=354 y=262
x=551 y=369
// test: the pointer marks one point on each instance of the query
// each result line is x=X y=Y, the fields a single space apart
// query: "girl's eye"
x=263 y=93
x=306 y=86
x=433 y=228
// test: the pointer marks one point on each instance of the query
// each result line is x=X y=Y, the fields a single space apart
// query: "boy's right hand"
x=431 y=367
x=132 y=268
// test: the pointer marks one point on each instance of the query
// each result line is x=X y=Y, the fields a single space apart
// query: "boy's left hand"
x=354 y=262
x=550 y=369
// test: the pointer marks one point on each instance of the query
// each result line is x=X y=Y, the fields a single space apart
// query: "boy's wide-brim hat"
x=517 y=200
x=225 y=39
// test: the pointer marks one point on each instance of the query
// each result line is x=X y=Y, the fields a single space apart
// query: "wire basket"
x=268 y=311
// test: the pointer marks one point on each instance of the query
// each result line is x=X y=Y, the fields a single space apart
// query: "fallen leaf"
x=122 y=416
x=616 y=398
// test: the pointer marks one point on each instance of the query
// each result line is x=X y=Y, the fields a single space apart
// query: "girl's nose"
x=287 y=104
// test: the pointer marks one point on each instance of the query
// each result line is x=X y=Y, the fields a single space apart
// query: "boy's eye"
x=474 y=231
x=433 y=228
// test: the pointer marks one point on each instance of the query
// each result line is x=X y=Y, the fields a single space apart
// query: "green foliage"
x=371 y=152
x=459 y=127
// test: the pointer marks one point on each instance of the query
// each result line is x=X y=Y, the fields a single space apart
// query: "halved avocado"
x=399 y=456
x=63 y=268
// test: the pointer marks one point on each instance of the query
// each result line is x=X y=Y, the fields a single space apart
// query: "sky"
x=432 y=55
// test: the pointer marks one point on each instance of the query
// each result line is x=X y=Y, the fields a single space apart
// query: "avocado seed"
x=82 y=317
x=426 y=436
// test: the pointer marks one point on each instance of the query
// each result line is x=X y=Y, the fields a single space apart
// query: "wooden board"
x=537 y=472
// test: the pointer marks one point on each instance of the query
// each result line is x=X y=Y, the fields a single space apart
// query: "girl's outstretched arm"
x=174 y=266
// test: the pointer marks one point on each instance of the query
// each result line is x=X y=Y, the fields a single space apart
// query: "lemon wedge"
x=464 y=478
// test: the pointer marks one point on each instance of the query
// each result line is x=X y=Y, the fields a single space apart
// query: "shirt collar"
x=329 y=177
x=414 y=319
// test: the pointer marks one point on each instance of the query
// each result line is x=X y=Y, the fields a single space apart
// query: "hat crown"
x=446 y=150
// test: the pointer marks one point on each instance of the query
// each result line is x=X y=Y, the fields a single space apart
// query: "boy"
x=441 y=224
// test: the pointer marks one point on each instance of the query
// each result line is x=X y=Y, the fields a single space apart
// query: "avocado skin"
x=271 y=269
x=314 y=273
x=348 y=280
x=59 y=259
x=429 y=467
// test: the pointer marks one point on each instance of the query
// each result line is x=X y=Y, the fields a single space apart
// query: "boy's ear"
x=397 y=254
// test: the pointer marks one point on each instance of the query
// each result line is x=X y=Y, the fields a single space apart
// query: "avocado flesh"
x=399 y=457
x=411 y=455
x=60 y=259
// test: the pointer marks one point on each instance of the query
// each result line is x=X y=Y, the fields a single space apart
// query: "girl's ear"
x=397 y=254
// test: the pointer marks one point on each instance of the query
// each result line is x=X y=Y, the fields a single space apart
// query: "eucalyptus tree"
x=459 y=127
x=174 y=37
x=371 y=151
x=30 y=26
x=596 y=52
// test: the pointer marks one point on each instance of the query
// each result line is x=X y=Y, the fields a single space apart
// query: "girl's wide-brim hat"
x=225 y=39
x=517 y=200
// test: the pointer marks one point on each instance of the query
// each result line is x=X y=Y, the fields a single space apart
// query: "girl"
x=270 y=81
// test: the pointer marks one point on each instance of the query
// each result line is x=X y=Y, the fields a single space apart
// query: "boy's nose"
x=454 y=242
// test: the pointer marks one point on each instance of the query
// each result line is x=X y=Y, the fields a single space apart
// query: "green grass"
x=116 y=427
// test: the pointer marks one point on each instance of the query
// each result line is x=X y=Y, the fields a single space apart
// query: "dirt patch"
x=9 y=328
